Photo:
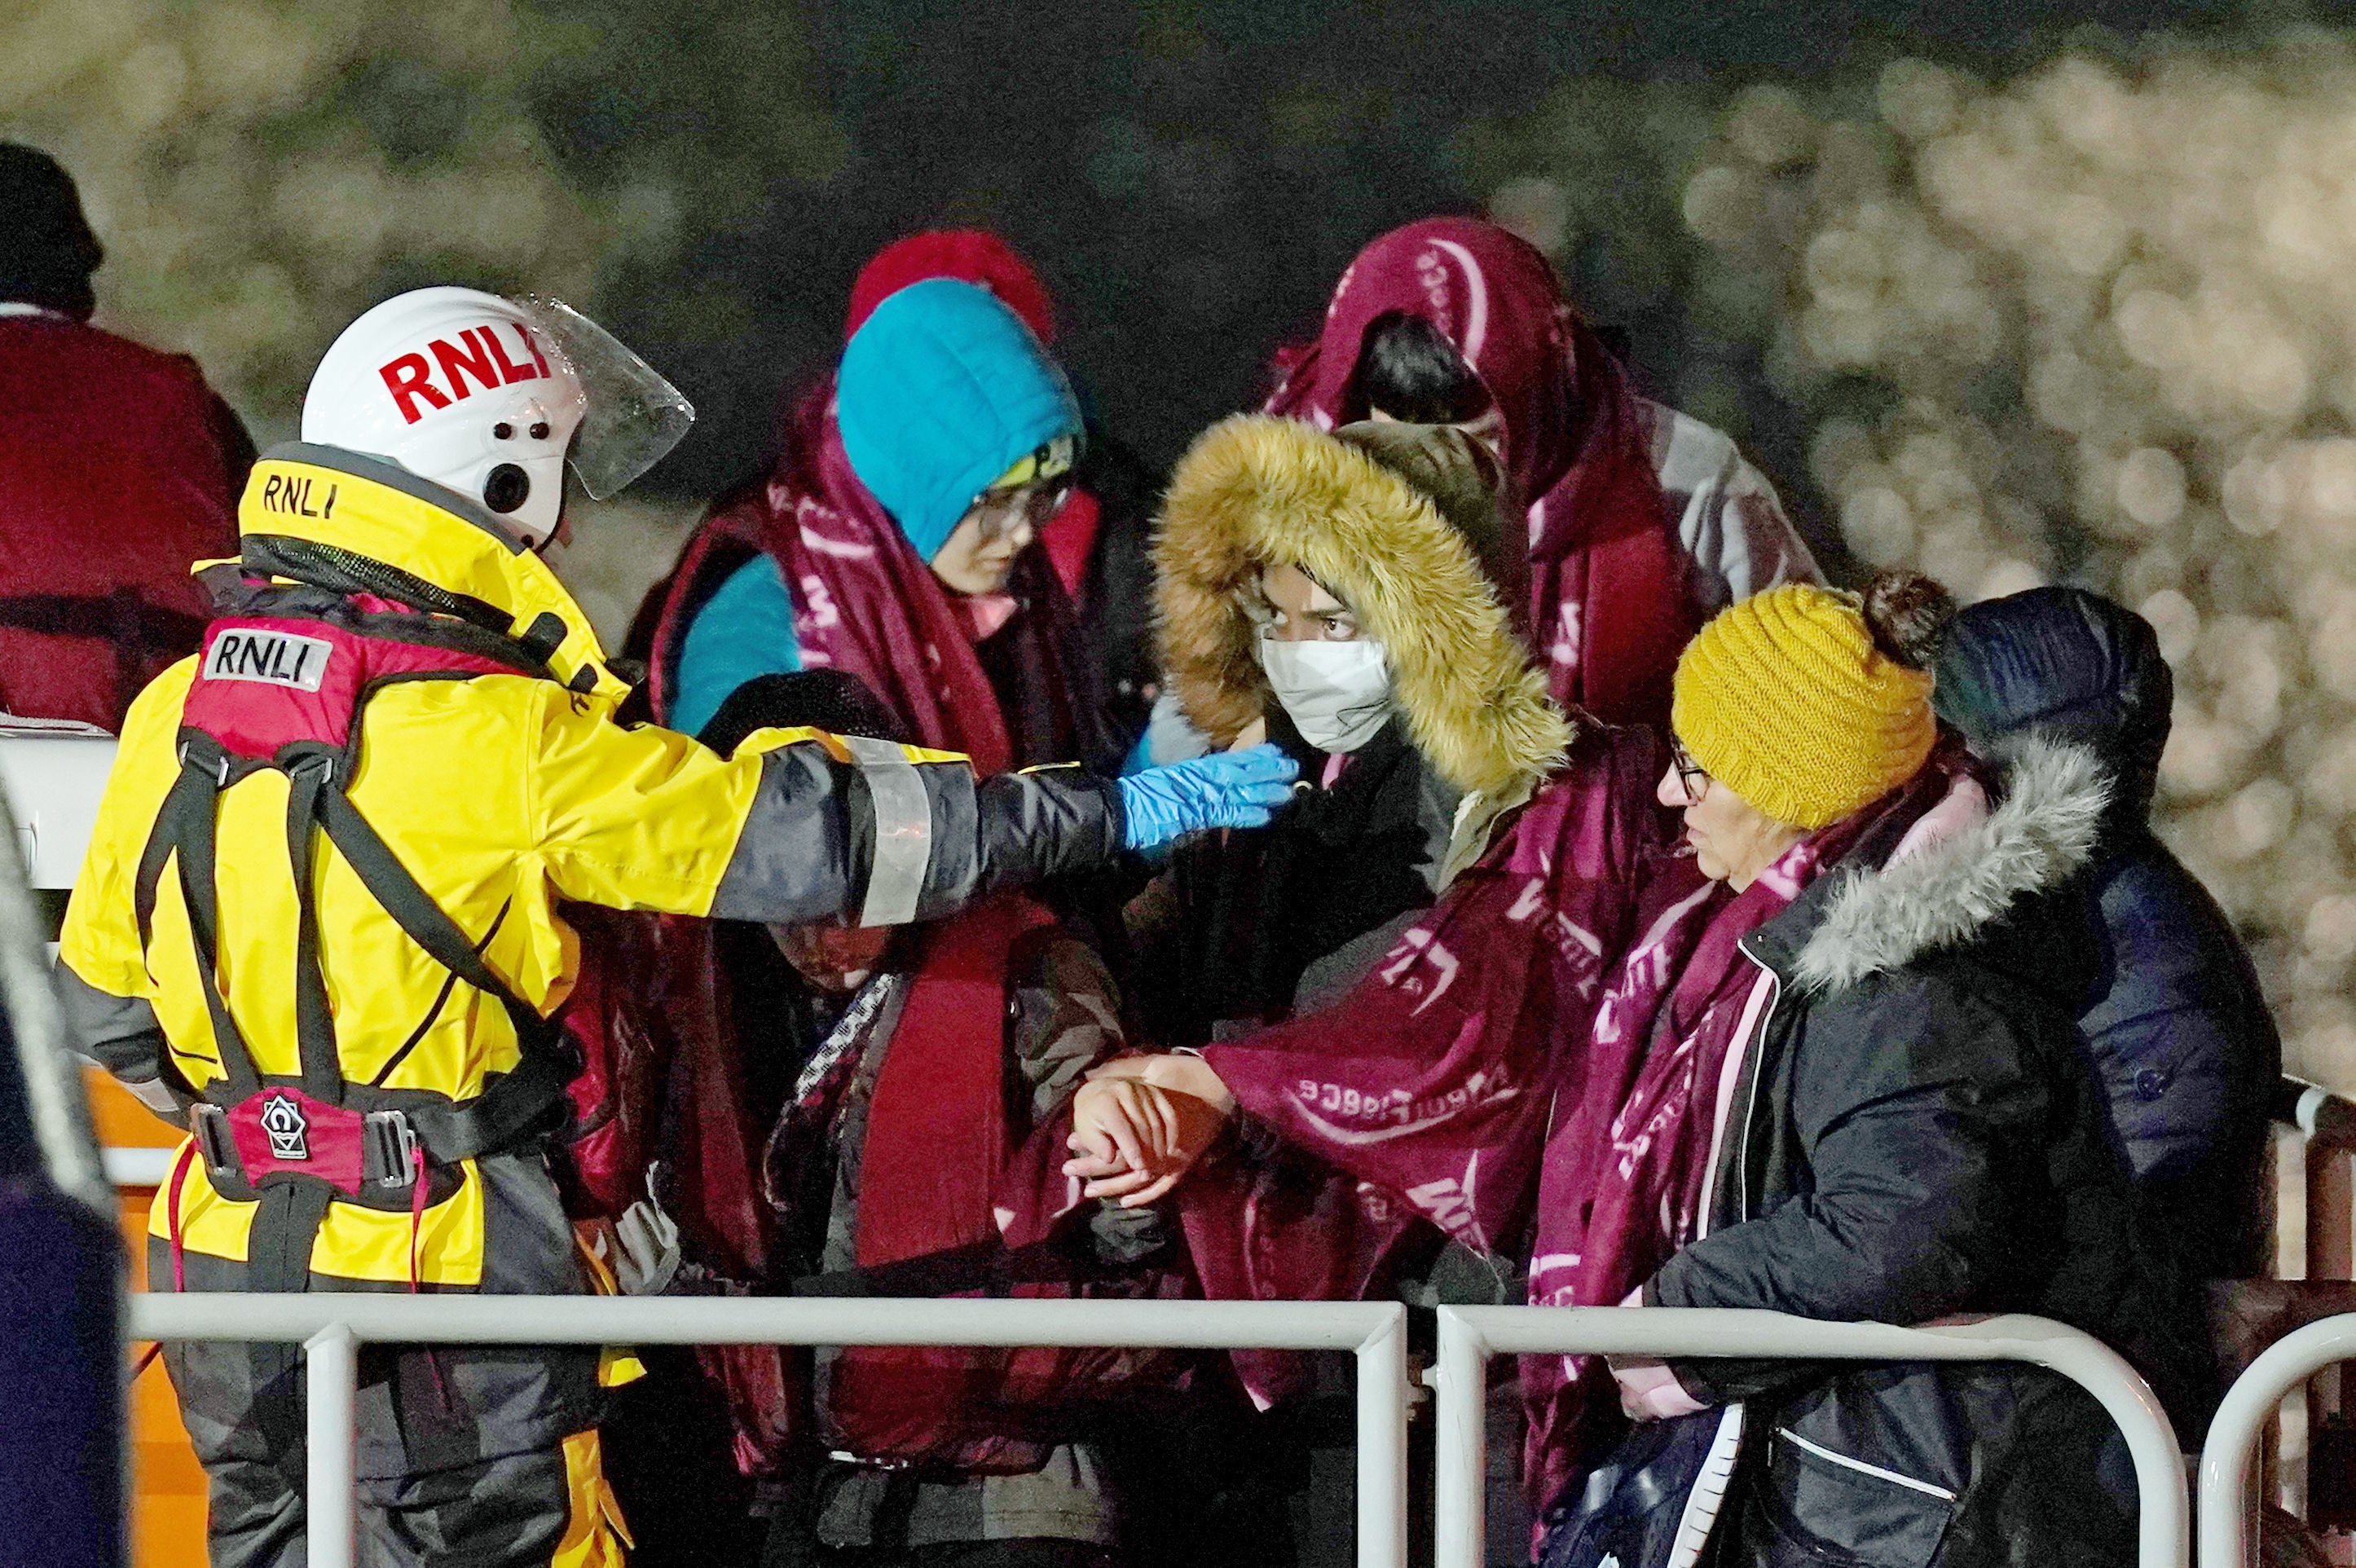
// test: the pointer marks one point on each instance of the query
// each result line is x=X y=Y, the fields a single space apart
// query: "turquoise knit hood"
x=941 y=392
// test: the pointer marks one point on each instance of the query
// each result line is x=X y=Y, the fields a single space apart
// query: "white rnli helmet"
x=489 y=397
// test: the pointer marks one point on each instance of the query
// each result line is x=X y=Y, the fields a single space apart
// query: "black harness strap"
x=278 y=1259
x=184 y=833
x=414 y=911
x=519 y=1101
x=310 y=773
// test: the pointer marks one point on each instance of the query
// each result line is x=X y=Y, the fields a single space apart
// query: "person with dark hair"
x=2184 y=1048
x=1639 y=521
x=829 y=1116
x=1408 y=372
x=119 y=470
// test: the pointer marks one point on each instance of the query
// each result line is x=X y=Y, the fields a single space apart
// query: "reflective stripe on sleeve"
x=904 y=831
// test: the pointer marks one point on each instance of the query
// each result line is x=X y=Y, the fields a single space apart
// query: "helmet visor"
x=634 y=417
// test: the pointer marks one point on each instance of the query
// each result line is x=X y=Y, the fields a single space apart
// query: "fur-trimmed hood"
x=1255 y=492
x=1945 y=892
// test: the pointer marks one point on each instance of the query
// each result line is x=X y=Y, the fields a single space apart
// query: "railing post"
x=1382 y=1446
x=1460 y=1457
x=2247 y=1407
x=331 y=1367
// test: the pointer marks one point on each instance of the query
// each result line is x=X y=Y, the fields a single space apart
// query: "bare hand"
x=1133 y=1140
x=1192 y=1075
x=1177 y=1070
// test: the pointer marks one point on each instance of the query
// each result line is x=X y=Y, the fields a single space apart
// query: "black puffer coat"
x=1916 y=1136
x=2183 y=1046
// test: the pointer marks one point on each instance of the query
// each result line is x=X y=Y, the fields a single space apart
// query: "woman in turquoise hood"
x=893 y=542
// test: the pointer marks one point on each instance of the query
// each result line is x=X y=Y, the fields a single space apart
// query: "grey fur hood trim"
x=2040 y=834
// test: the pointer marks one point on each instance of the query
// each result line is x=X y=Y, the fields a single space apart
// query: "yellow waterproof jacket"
x=503 y=795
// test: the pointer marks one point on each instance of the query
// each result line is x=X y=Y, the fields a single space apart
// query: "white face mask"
x=1338 y=694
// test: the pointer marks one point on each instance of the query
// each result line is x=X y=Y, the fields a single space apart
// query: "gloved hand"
x=1224 y=790
x=649 y=1250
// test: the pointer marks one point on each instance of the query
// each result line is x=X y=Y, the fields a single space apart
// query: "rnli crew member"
x=318 y=915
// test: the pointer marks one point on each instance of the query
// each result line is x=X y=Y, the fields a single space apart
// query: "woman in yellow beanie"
x=1807 y=704
x=1891 y=1121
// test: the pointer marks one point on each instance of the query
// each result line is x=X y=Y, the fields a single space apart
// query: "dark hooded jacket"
x=2182 y=1044
x=1915 y=1136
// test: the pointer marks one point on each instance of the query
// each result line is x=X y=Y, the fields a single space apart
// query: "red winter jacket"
x=119 y=467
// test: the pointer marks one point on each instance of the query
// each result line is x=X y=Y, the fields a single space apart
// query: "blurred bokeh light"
x=2094 y=323
x=2084 y=315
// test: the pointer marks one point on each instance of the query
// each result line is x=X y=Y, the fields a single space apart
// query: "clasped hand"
x=1140 y=1124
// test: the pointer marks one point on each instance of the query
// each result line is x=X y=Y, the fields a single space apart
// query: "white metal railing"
x=1469 y=1336
x=331 y=1329
x=2241 y=1421
x=2315 y=1243
x=136 y=1166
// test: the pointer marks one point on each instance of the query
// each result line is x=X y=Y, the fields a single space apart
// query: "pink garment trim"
x=1965 y=805
x=171 y=1213
x=1648 y=1390
x=986 y=615
x=1333 y=766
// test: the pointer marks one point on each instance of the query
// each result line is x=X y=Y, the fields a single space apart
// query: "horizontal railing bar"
x=1376 y=1330
x=1727 y=1331
x=1469 y=1336
x=473 y=1319
x=129 y=1165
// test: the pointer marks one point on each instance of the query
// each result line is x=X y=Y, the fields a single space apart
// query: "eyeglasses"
x=997 y=511
x=1692 y=778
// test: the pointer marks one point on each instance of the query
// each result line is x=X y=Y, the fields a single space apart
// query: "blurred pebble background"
x=2052 y=306
x=2094 y=323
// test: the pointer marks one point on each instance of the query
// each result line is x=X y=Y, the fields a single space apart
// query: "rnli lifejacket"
x=280 y=686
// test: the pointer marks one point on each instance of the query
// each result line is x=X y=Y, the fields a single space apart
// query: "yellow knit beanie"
x=1785 y=699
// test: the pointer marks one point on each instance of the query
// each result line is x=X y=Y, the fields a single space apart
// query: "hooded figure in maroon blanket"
x=119 y=470
x=1640 y=522
x=831 y=1126
x=1436 y=1068
x=989 y=665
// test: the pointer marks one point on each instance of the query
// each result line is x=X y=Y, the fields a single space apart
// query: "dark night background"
x=2011 y=291
x=1190 y=178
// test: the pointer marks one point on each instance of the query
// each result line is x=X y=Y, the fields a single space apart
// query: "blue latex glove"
x=1224 y=790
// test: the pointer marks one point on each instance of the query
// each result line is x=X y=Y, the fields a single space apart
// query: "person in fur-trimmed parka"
x=1462 y=850
x=1335 y=594
x=1455 y=834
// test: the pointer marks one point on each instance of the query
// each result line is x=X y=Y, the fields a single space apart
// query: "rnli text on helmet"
x=408 y=377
